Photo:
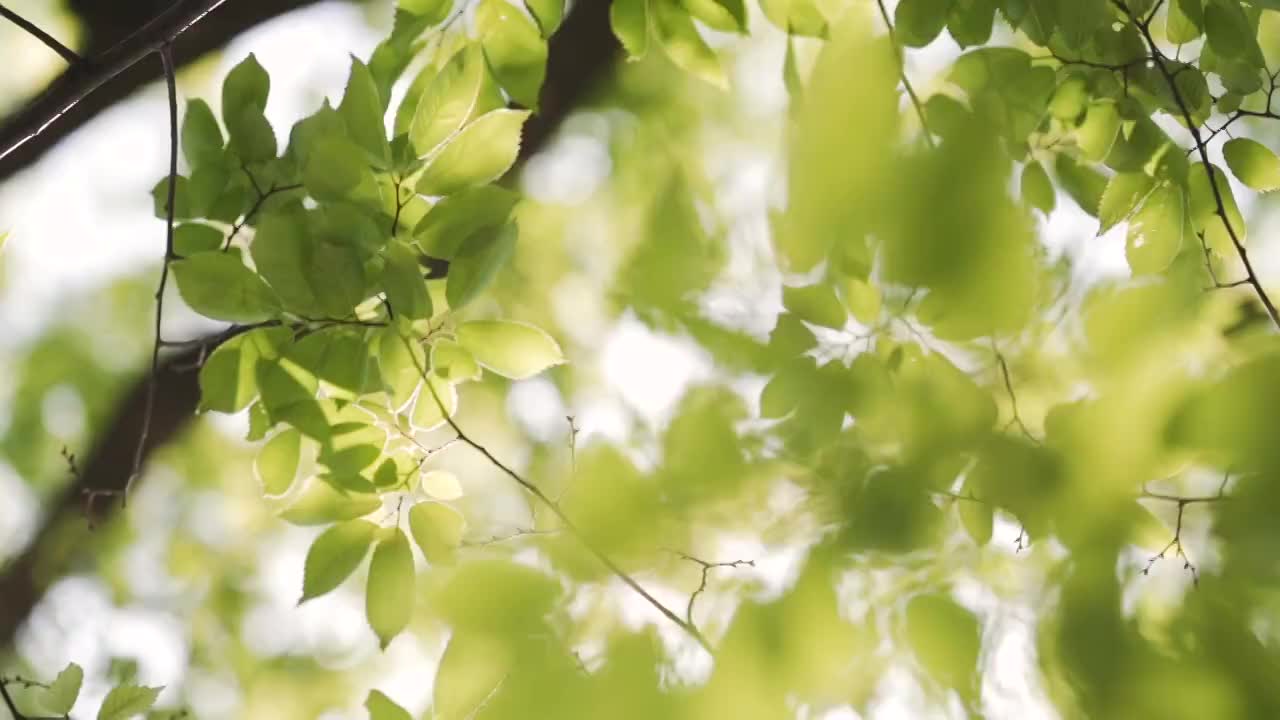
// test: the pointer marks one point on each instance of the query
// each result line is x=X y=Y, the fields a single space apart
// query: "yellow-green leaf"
x=817 y=304
x=1124 y=192
x=1253 y=163
x=320 y=503
x=515 y=49
x=277 y=462
x=334 y=555
x=381 y=707
x=437 y=529
x=686 y=48
x=219 y=286
x=61 y=694
x=482 y=152
x=389 y=594
x=127 y=701
x=512 y=349
x=630 y=22
x=1156 y=232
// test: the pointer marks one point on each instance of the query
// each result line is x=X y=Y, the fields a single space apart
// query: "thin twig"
x=902 y=73
x=166 y=58
x=1219 y=205
x=253 y=210
x=546 y=500
x=67 y=53
x=707 y=567
x=1013 y=397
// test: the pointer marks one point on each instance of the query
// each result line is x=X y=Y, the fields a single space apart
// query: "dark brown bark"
x=121 y=35
x=581 y=55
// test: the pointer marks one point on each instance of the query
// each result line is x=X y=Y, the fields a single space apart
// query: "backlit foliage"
x=937 y=423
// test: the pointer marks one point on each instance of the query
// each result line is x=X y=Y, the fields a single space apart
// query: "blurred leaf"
x=59 y=697
x=946 y=639
x=438 y=530
x=277 y=462
x=381 y=707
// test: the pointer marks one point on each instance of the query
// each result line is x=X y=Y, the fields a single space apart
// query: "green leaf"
x=436 y=394
x=433 y=10
x=1084 y=184
x=799 y=17
x=1123 y=194
x=482 y=152
x=977 y=519
x=381 y=707
x=478 y=262
x=1185 y=21
x=280 y=249
x=251 y=136
x=219 y=286
x=246 y=86
x=401 y=370
x=321 y=503
x=1097 y=134
x=1037 y=191
x=1253 y=163
x=679 y=38
x=1204 y=206
x=457 y=217
x=389 y=595
x=817 y=304
x=192 y=238
x=722 y=15
x=515 y=49
x=438 y=530
x=1229 y=33
x=127 y=701
x=462 y=91
x=181 y=199
x=1157 y=231
x=228 y=380
x=630 y=22
x=333 y=169
x=402 y=281
x=336 y=355
x=362 y=110
x=334 y=555
x=918 y=22
x=970 y=21
x=201 y=136
x=336 y=275
x=289 y=395
x=277 y=462
x=60 y=696
x=512 y=349
x=946 y=640
x=453 y=361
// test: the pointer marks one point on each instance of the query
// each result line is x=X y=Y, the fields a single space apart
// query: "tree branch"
x=110 y=73
x=67 y=53
x=1220 y=208
x=554 y=507
x=582 y=53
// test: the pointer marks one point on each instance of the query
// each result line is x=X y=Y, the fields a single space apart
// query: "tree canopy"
x=965 y=409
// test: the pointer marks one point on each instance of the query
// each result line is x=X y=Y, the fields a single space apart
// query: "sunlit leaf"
x=512 y=349
x=126 y=701
x=514 y=48
x=334 y=555
x=1253 y=163
x=277 y=462
x=389 y=595
x=482 y=152
x=59 y=697
x=438 y=530
x=321 y=503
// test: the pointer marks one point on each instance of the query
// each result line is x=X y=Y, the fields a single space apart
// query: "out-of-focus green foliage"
x=928 y=422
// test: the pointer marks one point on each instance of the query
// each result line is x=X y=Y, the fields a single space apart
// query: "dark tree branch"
x=67 y=53
x=110 y=73
x=582 y=53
